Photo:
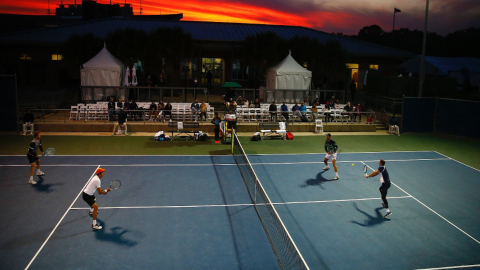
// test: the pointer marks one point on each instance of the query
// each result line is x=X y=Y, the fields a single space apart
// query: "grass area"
x=461 y=149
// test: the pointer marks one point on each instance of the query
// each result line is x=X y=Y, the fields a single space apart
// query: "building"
x=36 y=55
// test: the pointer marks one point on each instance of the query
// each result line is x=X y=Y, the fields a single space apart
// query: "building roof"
x=202 y=31
x=442 y=65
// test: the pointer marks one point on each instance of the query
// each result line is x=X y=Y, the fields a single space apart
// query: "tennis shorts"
x=331 y=156
x=32 y=159
x=384 y=187
x=89 y=199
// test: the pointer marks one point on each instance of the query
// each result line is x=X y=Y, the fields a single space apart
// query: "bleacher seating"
x=99 y=111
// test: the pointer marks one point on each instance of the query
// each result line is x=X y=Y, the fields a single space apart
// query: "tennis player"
x=331 y=149
x=33 y=158
x=89 y=198
x=385 y=180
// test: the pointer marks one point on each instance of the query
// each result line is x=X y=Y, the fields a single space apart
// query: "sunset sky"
x=347 y=16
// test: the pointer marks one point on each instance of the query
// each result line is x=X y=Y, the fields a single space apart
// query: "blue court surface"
x=194 y=212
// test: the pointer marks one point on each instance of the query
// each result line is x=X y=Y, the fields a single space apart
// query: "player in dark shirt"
x=33 y=157
x=216 y=121
x=122 y=121
x=331 y=149
x=385 y=181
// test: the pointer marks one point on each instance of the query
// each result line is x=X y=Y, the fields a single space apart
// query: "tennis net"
x=287 y=253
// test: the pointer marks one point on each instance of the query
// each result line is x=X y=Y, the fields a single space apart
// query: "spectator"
x=316 y=102
x=328 y=114
x=370 y=119
x=122 y=121
x=353 y=89
x=284 y=110
x=195 y=109
x=348 y=110
x=209 y=77
x=133 y=107
x=119 y=105
x=148 y=82
x=160 y=108
x=203 y=110
x=161 y=81
x=28 y=120
x=257 y=103
x=331 y=102
x=356 y=112
x=231 y=95
x=393 y=127
x=303 y=108
x=216 y=121
x=305 y=100
x=231 y=107
x=337 y=105
x=296 y=110
x=153 y=112
x=246 y=103
x=111 y=109
x=251 y=104
x=168 y=111
x=314 y=110
x=273 y=111
x=240 y=101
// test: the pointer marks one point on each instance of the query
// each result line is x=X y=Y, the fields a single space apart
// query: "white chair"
x=82 y=111
x=318 y=126
x=73 y=112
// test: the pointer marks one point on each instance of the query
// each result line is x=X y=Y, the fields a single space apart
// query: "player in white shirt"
x=89 y=198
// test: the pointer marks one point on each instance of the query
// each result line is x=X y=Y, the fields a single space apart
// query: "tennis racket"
x=338 y=151
x=115 y=184
x=365 y=169
x=50 y=151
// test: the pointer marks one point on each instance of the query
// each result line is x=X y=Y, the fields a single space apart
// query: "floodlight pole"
x=421 y=76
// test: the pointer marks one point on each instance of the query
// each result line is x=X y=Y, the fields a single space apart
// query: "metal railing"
x=382 y=103
x=144 y=93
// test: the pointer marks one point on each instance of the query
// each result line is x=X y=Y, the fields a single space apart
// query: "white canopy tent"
x=102 y=70
x=288 y=74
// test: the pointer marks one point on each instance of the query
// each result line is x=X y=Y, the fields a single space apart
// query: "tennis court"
x=194 y=212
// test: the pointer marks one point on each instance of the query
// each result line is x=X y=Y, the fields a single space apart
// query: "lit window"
x=349 y=65
x=57 y=57
x=25 y=56
x=375 y=67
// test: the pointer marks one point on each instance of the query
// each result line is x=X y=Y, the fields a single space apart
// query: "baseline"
x=60 y=221
x=451 y=267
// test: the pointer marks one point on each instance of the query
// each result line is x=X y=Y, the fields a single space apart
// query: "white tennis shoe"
x=326 y=168
x=336 y=178
x=96 y=227
x=40 y=173
x=31 y=181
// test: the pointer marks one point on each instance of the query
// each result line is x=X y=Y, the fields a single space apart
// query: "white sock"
x=388 y=210
x=336 y=174
x=31 y=177
x=94 y=222
x=91 y=210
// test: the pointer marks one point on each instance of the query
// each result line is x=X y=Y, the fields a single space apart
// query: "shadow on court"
x=45 y=188
x=371 y=220
x=116 y=235
x=317 y=181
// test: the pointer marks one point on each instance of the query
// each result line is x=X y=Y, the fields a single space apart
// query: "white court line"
x=224 y=164
x=56 y=226
x=457 y=161
x=432 y=210
x=223 y=155
x=232 y=205
x=451 y=267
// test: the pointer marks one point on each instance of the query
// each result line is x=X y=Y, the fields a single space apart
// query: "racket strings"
x=115 y=184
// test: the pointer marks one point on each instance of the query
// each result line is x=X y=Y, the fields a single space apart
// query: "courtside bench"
x=273 y=130
x=185 y=130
